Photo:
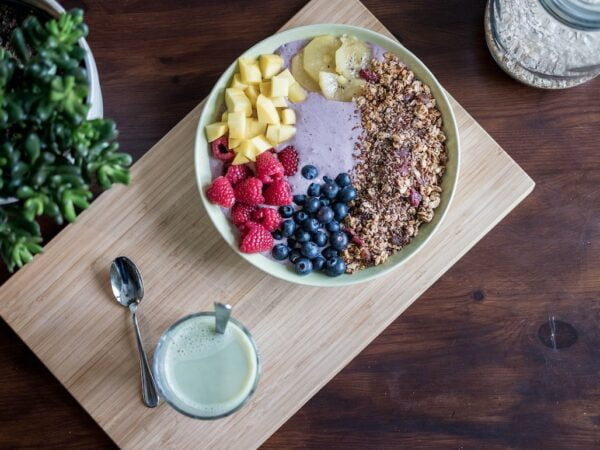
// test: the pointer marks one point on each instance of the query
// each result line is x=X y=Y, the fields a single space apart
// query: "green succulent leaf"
x=50 y=153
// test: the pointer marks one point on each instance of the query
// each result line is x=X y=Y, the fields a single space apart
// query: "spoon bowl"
x=126 y=281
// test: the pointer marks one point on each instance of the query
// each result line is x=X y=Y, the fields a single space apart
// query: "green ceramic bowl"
x=210 y=114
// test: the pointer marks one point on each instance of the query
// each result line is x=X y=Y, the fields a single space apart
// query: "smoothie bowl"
x=327 y=155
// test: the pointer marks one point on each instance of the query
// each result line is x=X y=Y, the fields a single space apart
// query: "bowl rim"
x=449 y=125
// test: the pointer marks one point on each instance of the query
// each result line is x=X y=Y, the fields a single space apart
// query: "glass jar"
x=550 y=44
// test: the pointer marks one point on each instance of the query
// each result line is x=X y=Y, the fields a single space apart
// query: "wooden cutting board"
x=61 y=304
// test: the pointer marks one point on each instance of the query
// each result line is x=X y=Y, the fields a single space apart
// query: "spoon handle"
x=149 y=391
x=222 y=313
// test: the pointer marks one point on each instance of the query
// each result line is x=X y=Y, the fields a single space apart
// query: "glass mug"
x=549 y=44
x=202 y=373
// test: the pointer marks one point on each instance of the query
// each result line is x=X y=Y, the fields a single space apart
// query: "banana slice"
x=352 y=56
x=301 y=76
x=337 y=87
x=319 y=55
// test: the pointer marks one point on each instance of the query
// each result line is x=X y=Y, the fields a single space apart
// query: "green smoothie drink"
x=204 y=374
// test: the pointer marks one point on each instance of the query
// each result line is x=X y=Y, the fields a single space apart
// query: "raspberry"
x=279 y=193
x=257 y=214
x=237 y=173
x=366 y=74
x=249 y=191
x=241 y=213
x=257 y=239
x=267 y=217
x=220 y=149
x=288 y=157
x=268 y=167
x=244 y=228
x=221 y=193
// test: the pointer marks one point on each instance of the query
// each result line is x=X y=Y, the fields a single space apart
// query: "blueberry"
x=300 y=216
x=343 y=179
x=280 y=252
x=310 y=172
x=335 y=267
x=286 y=211
x=329 y=190
x=333 y=226
x=325 y=201
x=288 y=227
x=277 y=235
x=329 y=253
x=303 y=266
x=302 y=236
x=320 y=238
x=327 y=179
x=291 y=242
x=314 y=190
x=295 y=255
x=340 y=210
x=310 y=250
x=312 y=205
x=299 y=199
x=311 y=225
x=318 y=263
x=325 y=214
x=347 y=194
x=338 y=240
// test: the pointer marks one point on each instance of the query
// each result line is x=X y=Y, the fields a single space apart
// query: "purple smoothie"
x=326 y=133
x=326 y=130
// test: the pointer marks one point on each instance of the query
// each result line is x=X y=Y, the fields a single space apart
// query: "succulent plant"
x=50 y=153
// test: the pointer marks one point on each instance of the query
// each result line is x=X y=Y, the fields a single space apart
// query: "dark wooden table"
x=468 y=364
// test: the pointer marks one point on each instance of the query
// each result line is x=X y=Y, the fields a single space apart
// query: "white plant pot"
x=54 y=8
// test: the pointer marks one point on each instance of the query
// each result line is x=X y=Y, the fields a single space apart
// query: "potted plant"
x=51 y=150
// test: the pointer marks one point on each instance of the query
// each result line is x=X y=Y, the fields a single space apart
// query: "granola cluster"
x=402 y=158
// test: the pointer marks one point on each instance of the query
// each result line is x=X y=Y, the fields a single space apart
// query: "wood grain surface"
x=157 y=221
x=464 y=365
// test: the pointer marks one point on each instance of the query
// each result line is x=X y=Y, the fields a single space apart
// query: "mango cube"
x=234 y=143
x=236 y=100
x=286 y=132
x=280 y=133
x=287 y=116
x=215 y=130
x=237 y=122
x=279 y=102
x=224 y=117
x=273 y=134
x=287 y=75
x=254 y=128
x=265 y=88
x=270 y=65
x=239 y=159
x=261 y=143
x=267 y=113
x=251 y=92
x=279 y=86
x=248 y=149
x=249 y=71
x=236 y=83
x=296 y=93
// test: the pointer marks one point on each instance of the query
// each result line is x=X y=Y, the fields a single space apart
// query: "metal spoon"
x=128 y=288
